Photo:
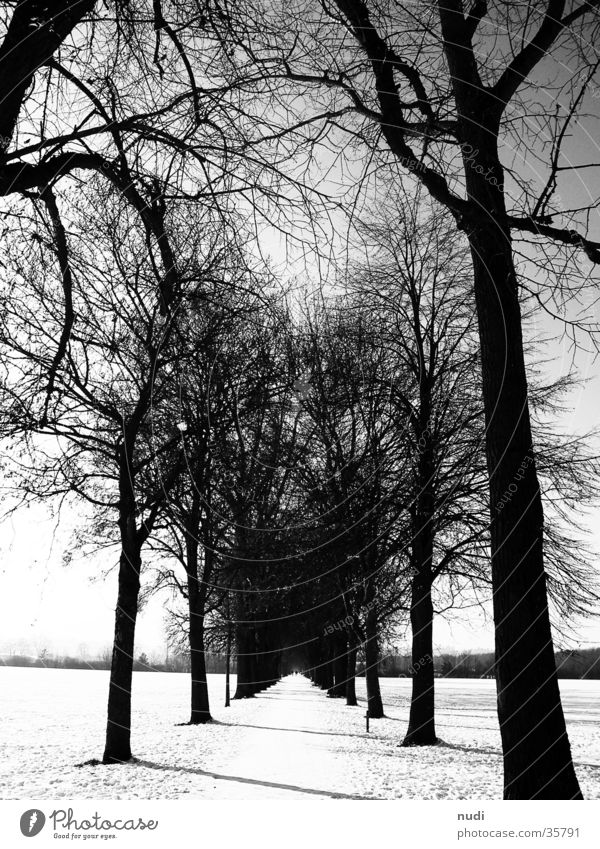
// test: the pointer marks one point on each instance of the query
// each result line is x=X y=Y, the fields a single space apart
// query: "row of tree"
x=303 y=472
x=303 y=475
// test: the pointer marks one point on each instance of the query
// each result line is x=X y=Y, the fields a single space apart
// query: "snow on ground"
x=289 y=742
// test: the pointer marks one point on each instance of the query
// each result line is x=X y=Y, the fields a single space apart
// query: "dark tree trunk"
x=421 y=723
x=264 y=662
x=200 y=712
x=228 y=664
x=374 y=703
x=118 y=728
x=537 y=754
x=261 y=673
x=328 y=672
x=245 y=638
x=351 y=677
x=323 y=670
x=246 y=668
x=200 y=709
x=325 y=674
x=34 y=34
x=270 y=671
x=339 y=664
x=265 y=658
x=314 y=655
x=320 y=673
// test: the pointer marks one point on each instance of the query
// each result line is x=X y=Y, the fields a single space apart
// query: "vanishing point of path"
x=290 y=749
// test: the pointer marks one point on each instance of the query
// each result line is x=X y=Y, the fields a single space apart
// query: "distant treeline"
x=581 y=663
x=215 y=663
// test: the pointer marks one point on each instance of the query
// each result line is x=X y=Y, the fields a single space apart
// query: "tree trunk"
x=265 y=659
x=200 y=712
x=421 y=723
x=537 y=754
x=35 y=32
x=319 y=671
x=118 y=728
x=339 y=664
x=245 y=639
x=374 y=703
x=200 y=709
x=228 y=663
x=246 y=677
x=351 y=677
x=328 y=680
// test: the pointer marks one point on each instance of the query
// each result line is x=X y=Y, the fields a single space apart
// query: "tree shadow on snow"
x=294 y=730
x=292 y=787
x=498 y=753
x=471 y=749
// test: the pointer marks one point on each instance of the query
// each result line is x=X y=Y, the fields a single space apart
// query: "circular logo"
x=32 y=822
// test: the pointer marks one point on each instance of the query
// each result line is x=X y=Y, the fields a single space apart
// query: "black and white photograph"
x=299 y=424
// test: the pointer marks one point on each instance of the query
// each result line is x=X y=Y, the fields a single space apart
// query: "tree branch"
x=62 y=254
x=36 y=30
x=525 y=61
x=558 y=234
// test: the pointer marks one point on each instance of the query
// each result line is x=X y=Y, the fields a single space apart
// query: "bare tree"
x=415 y=280
x=195 y=527
x=350 y=482
x=438 y=90
x=116 y=443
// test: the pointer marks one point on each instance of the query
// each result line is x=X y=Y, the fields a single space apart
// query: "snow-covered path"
x=288 y=752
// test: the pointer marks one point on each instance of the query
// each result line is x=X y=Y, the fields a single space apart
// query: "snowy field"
x=289 y=742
